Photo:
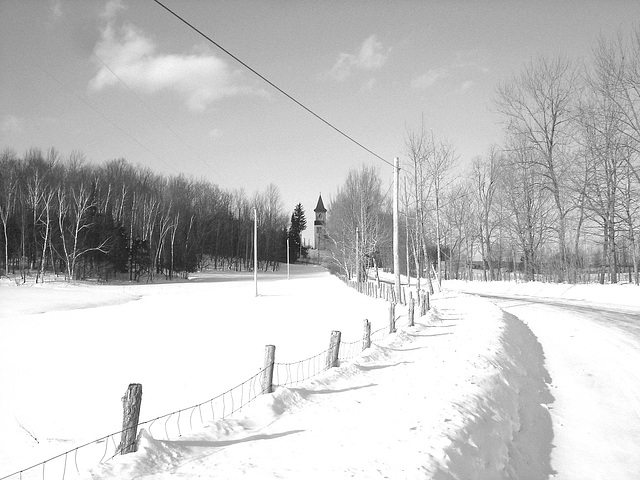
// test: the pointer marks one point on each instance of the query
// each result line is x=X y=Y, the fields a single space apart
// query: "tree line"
x=557 y=200
x=64 y=216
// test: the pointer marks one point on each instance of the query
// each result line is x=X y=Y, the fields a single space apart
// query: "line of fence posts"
x=132 y=400
x=387 y=292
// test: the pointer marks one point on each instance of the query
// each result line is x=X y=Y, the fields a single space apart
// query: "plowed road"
x=592 y=353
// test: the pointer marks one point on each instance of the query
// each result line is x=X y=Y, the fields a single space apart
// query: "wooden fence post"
x=423 y=304
x=411 y=311
x=269 y=361
x=392 y=317
x=334 y=349
x=131 y=403
x=427 y=301
x=366 y=338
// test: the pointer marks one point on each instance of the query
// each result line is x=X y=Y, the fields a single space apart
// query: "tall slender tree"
x=294 y=234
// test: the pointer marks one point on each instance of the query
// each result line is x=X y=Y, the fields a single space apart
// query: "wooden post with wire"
x=366 y=338
x=424 y=302
x=334 y=349
x=411 y=310
x=269 y=361
x=131 y=403
x=392 y=317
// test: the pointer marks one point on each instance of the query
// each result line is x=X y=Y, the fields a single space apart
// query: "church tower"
x=318 y=224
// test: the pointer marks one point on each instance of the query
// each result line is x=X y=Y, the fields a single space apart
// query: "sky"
x=125 y=79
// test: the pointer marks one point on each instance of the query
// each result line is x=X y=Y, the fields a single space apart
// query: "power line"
x=300 y=104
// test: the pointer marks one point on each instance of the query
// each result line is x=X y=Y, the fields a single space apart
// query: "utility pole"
x=396 y=231
x=406 y=218
x=357 y=255
x=255 y=249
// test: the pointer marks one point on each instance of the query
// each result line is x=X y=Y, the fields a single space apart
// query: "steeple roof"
x=320 y=205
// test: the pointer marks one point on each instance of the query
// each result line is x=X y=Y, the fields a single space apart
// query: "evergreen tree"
x=298 y=225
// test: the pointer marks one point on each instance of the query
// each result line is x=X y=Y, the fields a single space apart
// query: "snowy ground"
x=591 y=339
x=621 y=295
x=463 y=394
x=67 y=353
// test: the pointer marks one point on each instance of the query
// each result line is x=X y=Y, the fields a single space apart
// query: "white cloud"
x=463 y=72
x=200 y=77
x=215 y=133
x=112 y=8
x=429 y=79
x=11 y=125
x=370 y=57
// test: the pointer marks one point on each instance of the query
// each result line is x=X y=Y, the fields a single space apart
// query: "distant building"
x=319 y=231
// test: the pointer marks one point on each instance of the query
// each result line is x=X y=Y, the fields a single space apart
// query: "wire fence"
x=288 y=374
x=77 y=461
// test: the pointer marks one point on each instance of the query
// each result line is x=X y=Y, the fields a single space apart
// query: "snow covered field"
x=463 y=394
x=68 y=353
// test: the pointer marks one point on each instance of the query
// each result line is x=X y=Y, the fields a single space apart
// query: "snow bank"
x=503 y=429
x=627 y=295
x=462 y=395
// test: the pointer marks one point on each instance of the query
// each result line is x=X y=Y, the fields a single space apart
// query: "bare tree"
x=74 y=201
x=607 y=163
x=418 y=191
x=459 y=220
x=616 y=76
x=528 y=203
x=611 y=127
x=439 y=166
x=539 y=105
x=360 y=204
x=8 y=194
x=484 y=178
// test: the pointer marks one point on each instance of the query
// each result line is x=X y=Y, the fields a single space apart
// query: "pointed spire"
x=320 y=206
